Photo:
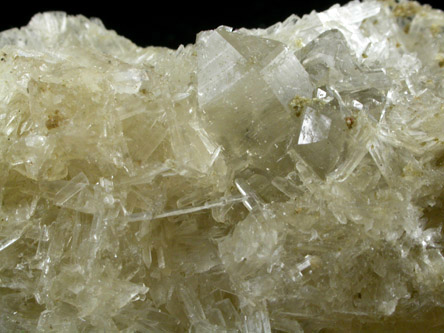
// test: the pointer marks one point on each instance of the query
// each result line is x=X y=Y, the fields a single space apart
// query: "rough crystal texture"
x=287 y=179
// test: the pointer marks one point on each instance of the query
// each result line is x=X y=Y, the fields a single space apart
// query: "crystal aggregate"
x=287 y=179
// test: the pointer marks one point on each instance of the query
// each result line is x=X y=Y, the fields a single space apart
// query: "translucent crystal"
x=245 y=84
x=287 y=179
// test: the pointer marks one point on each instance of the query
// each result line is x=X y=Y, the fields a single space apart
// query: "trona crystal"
x=287 y=179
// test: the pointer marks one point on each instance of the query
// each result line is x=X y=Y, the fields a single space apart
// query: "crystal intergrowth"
x=287 y=179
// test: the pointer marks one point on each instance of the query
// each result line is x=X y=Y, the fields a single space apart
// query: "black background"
x=171 y=23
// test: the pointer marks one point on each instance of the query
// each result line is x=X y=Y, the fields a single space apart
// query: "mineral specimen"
x=288 y=179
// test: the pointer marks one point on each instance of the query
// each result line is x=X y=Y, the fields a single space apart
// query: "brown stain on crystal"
x=406 y=9
x=350 y=121
x=54 y=120
x=436 y=29
x=298 y=104
x=439 y=161
x=407 y=28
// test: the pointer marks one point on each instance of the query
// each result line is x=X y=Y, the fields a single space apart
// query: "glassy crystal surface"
x=287 y=179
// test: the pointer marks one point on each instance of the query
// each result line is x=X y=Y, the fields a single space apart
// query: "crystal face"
x=287 y=179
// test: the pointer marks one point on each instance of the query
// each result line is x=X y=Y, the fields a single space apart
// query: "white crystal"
x=315 y=127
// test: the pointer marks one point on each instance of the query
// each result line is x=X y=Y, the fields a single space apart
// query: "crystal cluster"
x=288 y=179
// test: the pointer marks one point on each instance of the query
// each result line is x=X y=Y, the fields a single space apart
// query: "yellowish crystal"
x=287 y=179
